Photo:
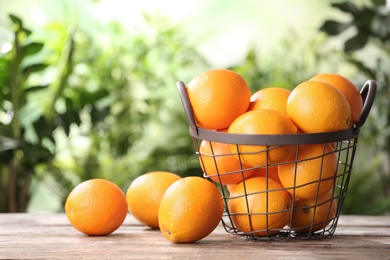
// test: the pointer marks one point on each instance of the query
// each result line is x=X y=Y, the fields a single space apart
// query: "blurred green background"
x=88 y=88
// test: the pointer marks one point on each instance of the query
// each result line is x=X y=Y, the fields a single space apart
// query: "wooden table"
x=50 y=236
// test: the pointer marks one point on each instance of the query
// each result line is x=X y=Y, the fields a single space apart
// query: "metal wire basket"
x=344 y=144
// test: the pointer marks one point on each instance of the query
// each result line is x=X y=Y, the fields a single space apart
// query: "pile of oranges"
x=267 y=187
x=271 y=187
x=159 y=199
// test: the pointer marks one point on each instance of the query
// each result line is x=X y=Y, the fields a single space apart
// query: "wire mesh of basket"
x=250 y=209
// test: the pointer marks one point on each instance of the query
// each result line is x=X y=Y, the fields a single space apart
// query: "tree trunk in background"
x=16 y=190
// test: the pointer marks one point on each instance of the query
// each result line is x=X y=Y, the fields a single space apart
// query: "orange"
x=315 y=106
x=145 y=193
x=190 y=210
x=312 y=215
x=263 y=121
x=262 y=172
x=270 y=98
x=220 y=165
x=252 y=214
x=349 y=90
x=314 y=170
x=96 y=207
x=217 y=97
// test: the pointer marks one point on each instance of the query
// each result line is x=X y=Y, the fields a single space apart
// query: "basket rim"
x=277 y=139
x=368 y=93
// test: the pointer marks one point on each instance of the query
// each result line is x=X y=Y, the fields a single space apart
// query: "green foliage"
x=22 y=135
x=285 y=68
x=369 y=51
x=367 y=21
x=132 y=122
x=112 y=109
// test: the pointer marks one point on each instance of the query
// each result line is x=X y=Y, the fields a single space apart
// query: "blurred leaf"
x=98 y=115
x=44 y=129
x=362 y=67
x=4 y=73
x=365 y=18
x=36 y=88
x=32 y=48
x=362 y=188
x=18 y=27
x=25 y=32
x=7 y=143
x=35 y=154
x=16 y=20
x=379 y=2
x=69 y=117
x=333 y=27
x=34 y=68
x=357 y=42
x=347 y=7
x=377 y=26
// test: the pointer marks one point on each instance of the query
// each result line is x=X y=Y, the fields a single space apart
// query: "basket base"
x=285 y=234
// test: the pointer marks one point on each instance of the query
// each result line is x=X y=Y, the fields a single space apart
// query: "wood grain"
x=50 y=236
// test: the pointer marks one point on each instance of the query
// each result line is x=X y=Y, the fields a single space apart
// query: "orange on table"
x=316 y=106
x=263 y=121
x=220 y=165
x=217 y=97
x=259 y=213
x=349 y=90
x=270 y=98
x=312 y=215
x=96 y=207
x=315 y=169
x=190 y=210
x=145 y=193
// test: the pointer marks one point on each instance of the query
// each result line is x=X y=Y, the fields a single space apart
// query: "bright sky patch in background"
x=224 y=29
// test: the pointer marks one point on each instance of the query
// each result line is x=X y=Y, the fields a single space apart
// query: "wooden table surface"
x=50 y=236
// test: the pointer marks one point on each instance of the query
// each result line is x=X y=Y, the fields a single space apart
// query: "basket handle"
x=368 y=93
x=187 y=106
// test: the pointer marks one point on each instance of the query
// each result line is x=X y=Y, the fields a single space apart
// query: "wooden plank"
x=365 y=221
x=41 y=236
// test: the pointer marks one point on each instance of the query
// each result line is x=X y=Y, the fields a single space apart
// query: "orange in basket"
x=263 y=121
x=262 y=172
x=272 y=173
x=218 y=97
x=270 y=98
x=346 y=87
x=313 y=214
x=316 y=106
x=313 y=174
x=259 y=206
x=216 y=159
